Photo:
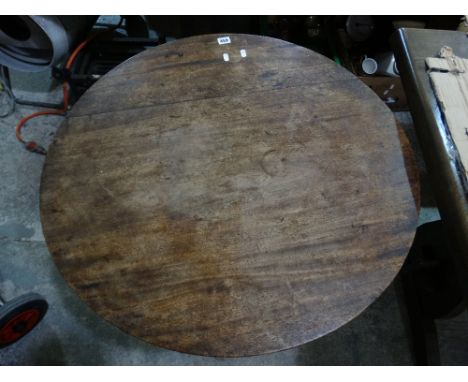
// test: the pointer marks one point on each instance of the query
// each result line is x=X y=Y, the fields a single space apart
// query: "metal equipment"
x=36 y=43
x=19 y=316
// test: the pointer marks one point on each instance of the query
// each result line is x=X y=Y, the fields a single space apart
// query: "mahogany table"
x=228 y=196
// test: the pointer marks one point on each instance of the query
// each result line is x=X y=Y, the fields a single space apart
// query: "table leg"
x=431 y=290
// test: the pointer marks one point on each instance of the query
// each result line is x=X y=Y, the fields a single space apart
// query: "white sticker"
x=243 y=53
x=224 y=40
x=225 y=57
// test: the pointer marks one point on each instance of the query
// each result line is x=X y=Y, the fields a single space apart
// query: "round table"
x=228 y=196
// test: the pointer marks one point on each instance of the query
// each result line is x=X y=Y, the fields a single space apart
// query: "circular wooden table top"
x=228 y=199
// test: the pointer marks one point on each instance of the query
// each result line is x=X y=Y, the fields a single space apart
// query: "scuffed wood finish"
x=228 y=208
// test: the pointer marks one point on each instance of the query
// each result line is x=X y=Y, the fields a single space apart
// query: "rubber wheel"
x=19 y=316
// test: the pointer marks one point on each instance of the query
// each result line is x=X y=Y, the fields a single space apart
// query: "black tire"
x=19 y=316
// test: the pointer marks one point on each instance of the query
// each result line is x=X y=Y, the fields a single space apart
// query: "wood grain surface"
x=228 y=208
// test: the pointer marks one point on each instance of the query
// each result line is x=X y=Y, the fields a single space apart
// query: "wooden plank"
x=228 y=208
x=449 y=77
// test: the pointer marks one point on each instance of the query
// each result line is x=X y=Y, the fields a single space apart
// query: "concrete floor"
x=71 y=334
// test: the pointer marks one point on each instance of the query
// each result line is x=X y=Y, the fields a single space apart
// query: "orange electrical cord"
x=32 y=145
